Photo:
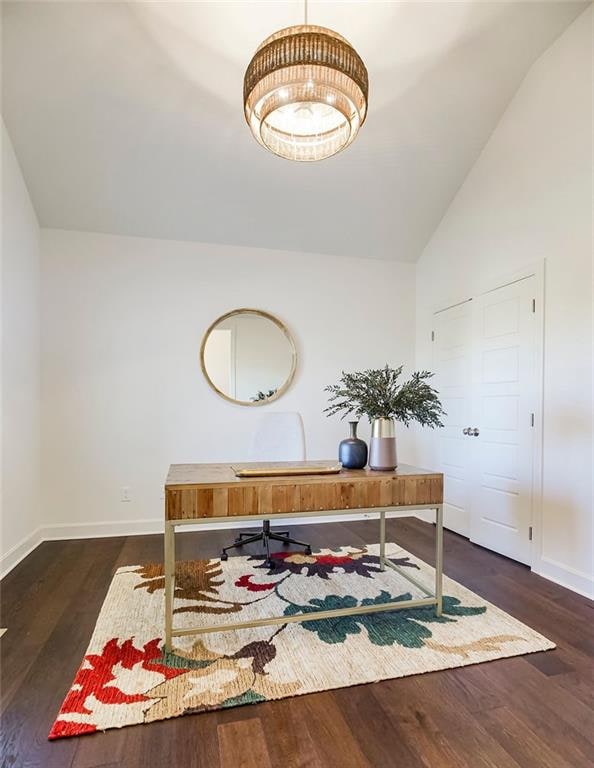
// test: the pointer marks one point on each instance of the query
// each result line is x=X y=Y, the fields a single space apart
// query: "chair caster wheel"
x=224 y=556
x=308 y=551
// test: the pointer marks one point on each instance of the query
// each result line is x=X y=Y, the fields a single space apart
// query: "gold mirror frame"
x=259 y=313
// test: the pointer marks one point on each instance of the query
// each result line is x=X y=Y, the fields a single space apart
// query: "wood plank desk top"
x=217 y=475
x=194 y=491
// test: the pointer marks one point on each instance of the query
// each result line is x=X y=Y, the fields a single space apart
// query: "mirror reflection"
x=248 y=357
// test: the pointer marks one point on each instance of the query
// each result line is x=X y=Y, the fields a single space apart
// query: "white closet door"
x=502 y=431
x=453 y=372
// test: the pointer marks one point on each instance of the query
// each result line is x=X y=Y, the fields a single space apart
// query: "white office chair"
x=278 y=437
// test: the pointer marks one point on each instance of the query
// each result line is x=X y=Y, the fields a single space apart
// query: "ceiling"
x=127 y=118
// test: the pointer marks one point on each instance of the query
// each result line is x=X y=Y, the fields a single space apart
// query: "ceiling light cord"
x=305 y=11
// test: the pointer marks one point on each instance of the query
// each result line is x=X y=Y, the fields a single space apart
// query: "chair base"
x=265 y=536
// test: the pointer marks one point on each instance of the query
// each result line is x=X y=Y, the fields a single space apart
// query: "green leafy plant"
x=377 y=393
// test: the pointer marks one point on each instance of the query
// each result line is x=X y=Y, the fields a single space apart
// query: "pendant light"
x=305 y=92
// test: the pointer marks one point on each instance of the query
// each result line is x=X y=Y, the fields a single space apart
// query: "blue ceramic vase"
x=352 y=452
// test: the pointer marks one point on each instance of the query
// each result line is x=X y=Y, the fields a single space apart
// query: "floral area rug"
x=126 y=678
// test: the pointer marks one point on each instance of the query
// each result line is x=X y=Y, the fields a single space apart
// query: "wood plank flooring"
x=535 y=711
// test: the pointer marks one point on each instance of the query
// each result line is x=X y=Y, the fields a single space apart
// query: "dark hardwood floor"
x=531 y=711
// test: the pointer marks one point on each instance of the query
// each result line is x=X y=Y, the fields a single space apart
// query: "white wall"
x=123 y=394
x=19 y=415
x=528 y=198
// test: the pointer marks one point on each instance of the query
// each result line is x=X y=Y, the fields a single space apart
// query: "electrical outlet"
x=126 y=494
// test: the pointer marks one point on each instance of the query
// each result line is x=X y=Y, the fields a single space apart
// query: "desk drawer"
x=312 y=497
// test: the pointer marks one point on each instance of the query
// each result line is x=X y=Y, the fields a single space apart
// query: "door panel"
x=500 y=365
x=503 y=387
x=452 y=364
x=500 y=319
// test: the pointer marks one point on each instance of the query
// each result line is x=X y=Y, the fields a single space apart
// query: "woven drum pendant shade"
x=305 y=93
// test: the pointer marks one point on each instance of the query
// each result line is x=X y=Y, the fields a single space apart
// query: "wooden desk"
x=202 y=493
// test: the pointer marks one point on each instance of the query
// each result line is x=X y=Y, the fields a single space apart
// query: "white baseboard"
x=155 y=525
x=104 y=530
x=20 y=551
x=565 y=576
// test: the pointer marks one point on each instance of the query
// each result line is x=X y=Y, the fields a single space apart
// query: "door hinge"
x=432 y=335
x=534 y=305
x=531 y=419
x=530 y=533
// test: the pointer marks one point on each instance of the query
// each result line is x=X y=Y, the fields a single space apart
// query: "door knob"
x=474 y=432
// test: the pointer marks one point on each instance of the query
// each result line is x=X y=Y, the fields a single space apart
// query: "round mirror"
x=248 y=357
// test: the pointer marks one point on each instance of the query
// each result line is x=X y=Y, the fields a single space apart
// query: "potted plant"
x=377 y=394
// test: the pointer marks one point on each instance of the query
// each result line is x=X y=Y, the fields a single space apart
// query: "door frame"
x=536 y=269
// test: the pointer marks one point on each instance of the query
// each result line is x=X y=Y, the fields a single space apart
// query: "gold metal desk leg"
x=382 y=541
x=438 y=559
x=169 y=581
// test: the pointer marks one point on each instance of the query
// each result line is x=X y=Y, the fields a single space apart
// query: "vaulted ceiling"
x=127 y=118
